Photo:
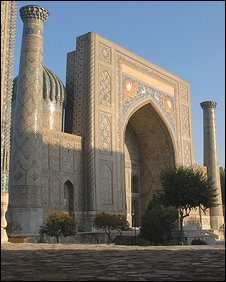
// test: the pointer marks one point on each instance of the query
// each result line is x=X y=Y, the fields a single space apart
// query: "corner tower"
x=25 y=172
x=211 y=160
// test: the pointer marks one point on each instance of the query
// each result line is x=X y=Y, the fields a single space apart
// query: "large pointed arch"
x=139 y=105
x=149 y=146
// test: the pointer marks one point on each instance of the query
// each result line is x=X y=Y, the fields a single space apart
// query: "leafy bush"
x=157 y=222
x=198 y=242
x=110 y=222
x=58 y=224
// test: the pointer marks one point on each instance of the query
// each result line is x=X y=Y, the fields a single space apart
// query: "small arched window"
x=134 y=184
x=69 y=196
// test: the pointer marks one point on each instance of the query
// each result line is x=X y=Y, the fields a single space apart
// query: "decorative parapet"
x=208 y=105
x=33 y=12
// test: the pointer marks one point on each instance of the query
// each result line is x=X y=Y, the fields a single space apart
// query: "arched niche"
x=68 y=196
x=134 y=184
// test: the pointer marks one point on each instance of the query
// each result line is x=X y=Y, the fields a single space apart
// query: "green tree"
x=157 y=222
x=186 y=188
x=58 y=224
x=109 y=222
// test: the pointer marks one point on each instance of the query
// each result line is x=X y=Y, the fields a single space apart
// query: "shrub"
x=109 y=222
x=157 y=223
x=58 y=224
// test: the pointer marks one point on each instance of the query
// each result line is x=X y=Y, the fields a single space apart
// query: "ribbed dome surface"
x=53 y=88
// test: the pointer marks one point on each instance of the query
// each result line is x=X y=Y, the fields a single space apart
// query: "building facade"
x=8 y=30
x=98 y=145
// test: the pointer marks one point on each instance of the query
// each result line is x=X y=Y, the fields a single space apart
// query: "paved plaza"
x=58 y=262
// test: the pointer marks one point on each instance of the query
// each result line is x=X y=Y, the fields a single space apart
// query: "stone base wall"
x=128 y=238
x=78 y=238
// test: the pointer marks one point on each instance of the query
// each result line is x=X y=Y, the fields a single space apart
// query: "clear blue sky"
x=185 y=38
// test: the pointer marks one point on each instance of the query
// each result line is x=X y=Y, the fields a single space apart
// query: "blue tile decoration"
x=164 y=101
x=29 y=31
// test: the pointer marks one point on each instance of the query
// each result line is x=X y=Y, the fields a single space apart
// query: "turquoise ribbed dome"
x=53 y=88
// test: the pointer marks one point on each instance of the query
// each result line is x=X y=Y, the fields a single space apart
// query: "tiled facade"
x=8 y=30
x=115 y=93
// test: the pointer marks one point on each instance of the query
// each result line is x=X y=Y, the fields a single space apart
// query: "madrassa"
x=99 y=142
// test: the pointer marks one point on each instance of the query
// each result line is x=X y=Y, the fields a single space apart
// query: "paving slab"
x=77 y=262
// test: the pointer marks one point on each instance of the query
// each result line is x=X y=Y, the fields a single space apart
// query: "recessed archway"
x=68 y=196
x=148 y=149
x=134 y=185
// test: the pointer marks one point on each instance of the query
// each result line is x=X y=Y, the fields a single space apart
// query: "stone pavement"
x=57 y=262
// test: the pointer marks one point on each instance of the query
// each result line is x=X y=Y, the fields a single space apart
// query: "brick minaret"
x=211 y=160
x=25 y=172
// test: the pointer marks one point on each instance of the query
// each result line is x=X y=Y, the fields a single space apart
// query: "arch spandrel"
x=137 y=93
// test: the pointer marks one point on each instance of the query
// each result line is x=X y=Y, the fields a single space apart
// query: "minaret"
x=25 y=171
x=211 y=160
